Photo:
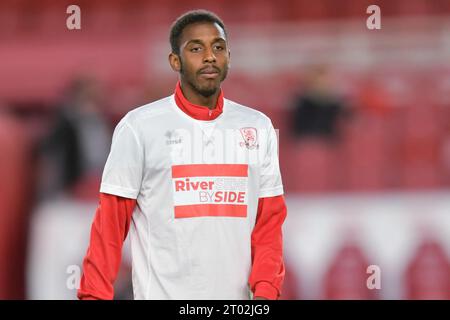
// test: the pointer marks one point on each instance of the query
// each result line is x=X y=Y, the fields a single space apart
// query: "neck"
x=195 y=98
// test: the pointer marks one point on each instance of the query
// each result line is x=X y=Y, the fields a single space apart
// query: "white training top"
x=197 y=185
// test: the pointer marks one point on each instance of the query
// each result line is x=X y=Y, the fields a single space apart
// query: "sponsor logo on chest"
x=210 y=190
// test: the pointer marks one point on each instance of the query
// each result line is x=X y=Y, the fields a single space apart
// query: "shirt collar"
x=195 y=111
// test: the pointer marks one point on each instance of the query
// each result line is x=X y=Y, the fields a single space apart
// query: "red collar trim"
x=196 y=111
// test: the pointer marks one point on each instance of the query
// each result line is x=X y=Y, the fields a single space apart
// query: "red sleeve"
x=102 y=261
x=267 y=274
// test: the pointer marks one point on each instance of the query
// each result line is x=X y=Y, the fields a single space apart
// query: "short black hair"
x=189 y=18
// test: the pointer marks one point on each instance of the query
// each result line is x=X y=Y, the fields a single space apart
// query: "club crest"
x=249 y=134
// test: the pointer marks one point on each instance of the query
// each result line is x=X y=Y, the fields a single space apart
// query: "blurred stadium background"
x=363 y=118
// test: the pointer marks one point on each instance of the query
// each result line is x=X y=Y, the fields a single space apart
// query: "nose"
x=209 y=56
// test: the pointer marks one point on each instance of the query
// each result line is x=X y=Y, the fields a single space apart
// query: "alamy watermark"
x=73 y=21
x=374 y=280
x=74 y=278
x=373 y=22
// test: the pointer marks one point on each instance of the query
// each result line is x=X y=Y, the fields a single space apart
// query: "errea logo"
x=172 y=137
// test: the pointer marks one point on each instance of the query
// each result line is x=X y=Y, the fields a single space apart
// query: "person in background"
x=317 y=109
x=78 y=143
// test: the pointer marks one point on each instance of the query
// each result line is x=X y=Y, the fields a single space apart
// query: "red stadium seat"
x=420 y=147
x=427 y=276
x=311 y=166
x=346 y=278
x=366 y=154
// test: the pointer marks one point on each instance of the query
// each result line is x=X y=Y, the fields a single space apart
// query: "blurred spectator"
x=73 y=157
x=77 y=147
x=317 y=109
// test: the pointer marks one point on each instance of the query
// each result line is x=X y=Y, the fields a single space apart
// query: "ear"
x=174 y=61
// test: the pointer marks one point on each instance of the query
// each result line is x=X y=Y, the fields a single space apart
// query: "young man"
x=197 y=178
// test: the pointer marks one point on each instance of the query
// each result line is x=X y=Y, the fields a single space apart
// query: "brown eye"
x=195 y=49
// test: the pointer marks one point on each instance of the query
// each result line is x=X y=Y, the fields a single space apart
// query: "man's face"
x=204 y=57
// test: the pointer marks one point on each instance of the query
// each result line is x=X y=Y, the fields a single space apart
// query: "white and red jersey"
x=197 y=179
